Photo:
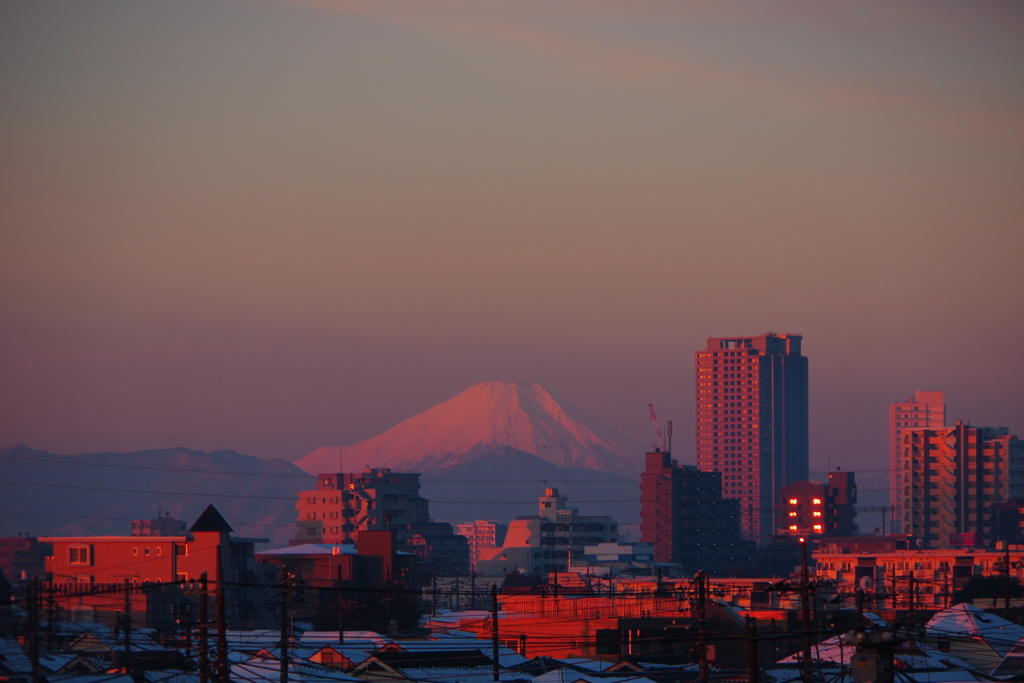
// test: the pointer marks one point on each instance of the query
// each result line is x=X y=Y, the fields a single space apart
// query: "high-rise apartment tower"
x=752 y=421
x=952 y=479
x=923 y=410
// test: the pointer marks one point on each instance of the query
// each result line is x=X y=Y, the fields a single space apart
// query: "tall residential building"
x=686 y=519
x=923 y=410
x=952 y=478
x=752 y=421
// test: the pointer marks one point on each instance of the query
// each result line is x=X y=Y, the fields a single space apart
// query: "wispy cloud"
x=515 y=26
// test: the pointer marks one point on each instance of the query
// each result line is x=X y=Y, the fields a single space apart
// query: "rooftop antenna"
x=660 y=443
x=668 y=435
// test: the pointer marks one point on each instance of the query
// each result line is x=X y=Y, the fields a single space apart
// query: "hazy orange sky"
x=271 y=226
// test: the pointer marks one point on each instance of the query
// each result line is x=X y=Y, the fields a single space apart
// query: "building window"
x=146 y=552
x=78 y=554
x=135 y=552
x=159 y=551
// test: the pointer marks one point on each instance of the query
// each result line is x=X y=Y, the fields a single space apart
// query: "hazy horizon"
x=271 y=226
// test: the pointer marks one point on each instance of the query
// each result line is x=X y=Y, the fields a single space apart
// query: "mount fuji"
x=482 y=421
x=491 y=451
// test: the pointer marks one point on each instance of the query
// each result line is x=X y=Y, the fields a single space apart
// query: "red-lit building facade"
x=952 y=477
x=923 y=410
x=752 y=421
x=86 y=571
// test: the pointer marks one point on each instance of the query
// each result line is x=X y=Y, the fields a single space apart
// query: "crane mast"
x=657 y=430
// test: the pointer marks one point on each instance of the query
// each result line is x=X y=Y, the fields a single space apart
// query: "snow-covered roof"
x=269 y=671
x=314 y=638
x=310 y=549
x=89 y=678
x=571 y=675
x=965 y=619
x=12 y=657
x=912 y=656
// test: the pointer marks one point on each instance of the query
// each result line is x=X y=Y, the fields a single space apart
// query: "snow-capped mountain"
x=484 y=418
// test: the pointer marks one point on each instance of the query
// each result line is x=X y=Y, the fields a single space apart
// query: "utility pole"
x=805 y=610
x=1006 y=581
x=702 y=645
x=127 y=622
x=31 y=603
x=222 y=623
x=286 y=578
x=910 y=588
x=433 y=592
x=752 y=664
x=494 y=627
x=341 y=611
x=204 y=631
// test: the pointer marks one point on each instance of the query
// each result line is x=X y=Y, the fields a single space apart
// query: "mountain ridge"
x=483 y=419
x=102 y=492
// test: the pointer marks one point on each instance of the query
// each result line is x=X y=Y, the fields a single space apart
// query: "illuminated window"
x=793 y=501
x=792 y=527
x=792 y=514
x=817 y=513
x=816 y=501
x=817 y=527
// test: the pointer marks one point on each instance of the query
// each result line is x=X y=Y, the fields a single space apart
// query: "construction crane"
x=660 y=444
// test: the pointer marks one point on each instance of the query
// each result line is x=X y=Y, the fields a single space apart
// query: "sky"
x=271 y=226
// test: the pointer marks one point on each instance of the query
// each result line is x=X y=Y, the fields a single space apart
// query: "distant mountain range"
x=484 y=419
x=100 y=493
x=488 y=453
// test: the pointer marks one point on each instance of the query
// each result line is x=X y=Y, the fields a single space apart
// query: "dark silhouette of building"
x=437 y=543
x=685 y=517
x=371 y=583
x=810 y=508
x=1008 y=522
x=752 y=421
x=22 y=558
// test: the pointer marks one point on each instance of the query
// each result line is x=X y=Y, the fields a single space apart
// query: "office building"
x=952 y=477
x=923 y=410
x=810 y=508
x=376 y=499
x=752 y=421
x=482 y=534
x=553 y=541
x=684 y=516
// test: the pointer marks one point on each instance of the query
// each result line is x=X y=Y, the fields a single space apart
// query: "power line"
x=288 y=498
x=276 y=475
